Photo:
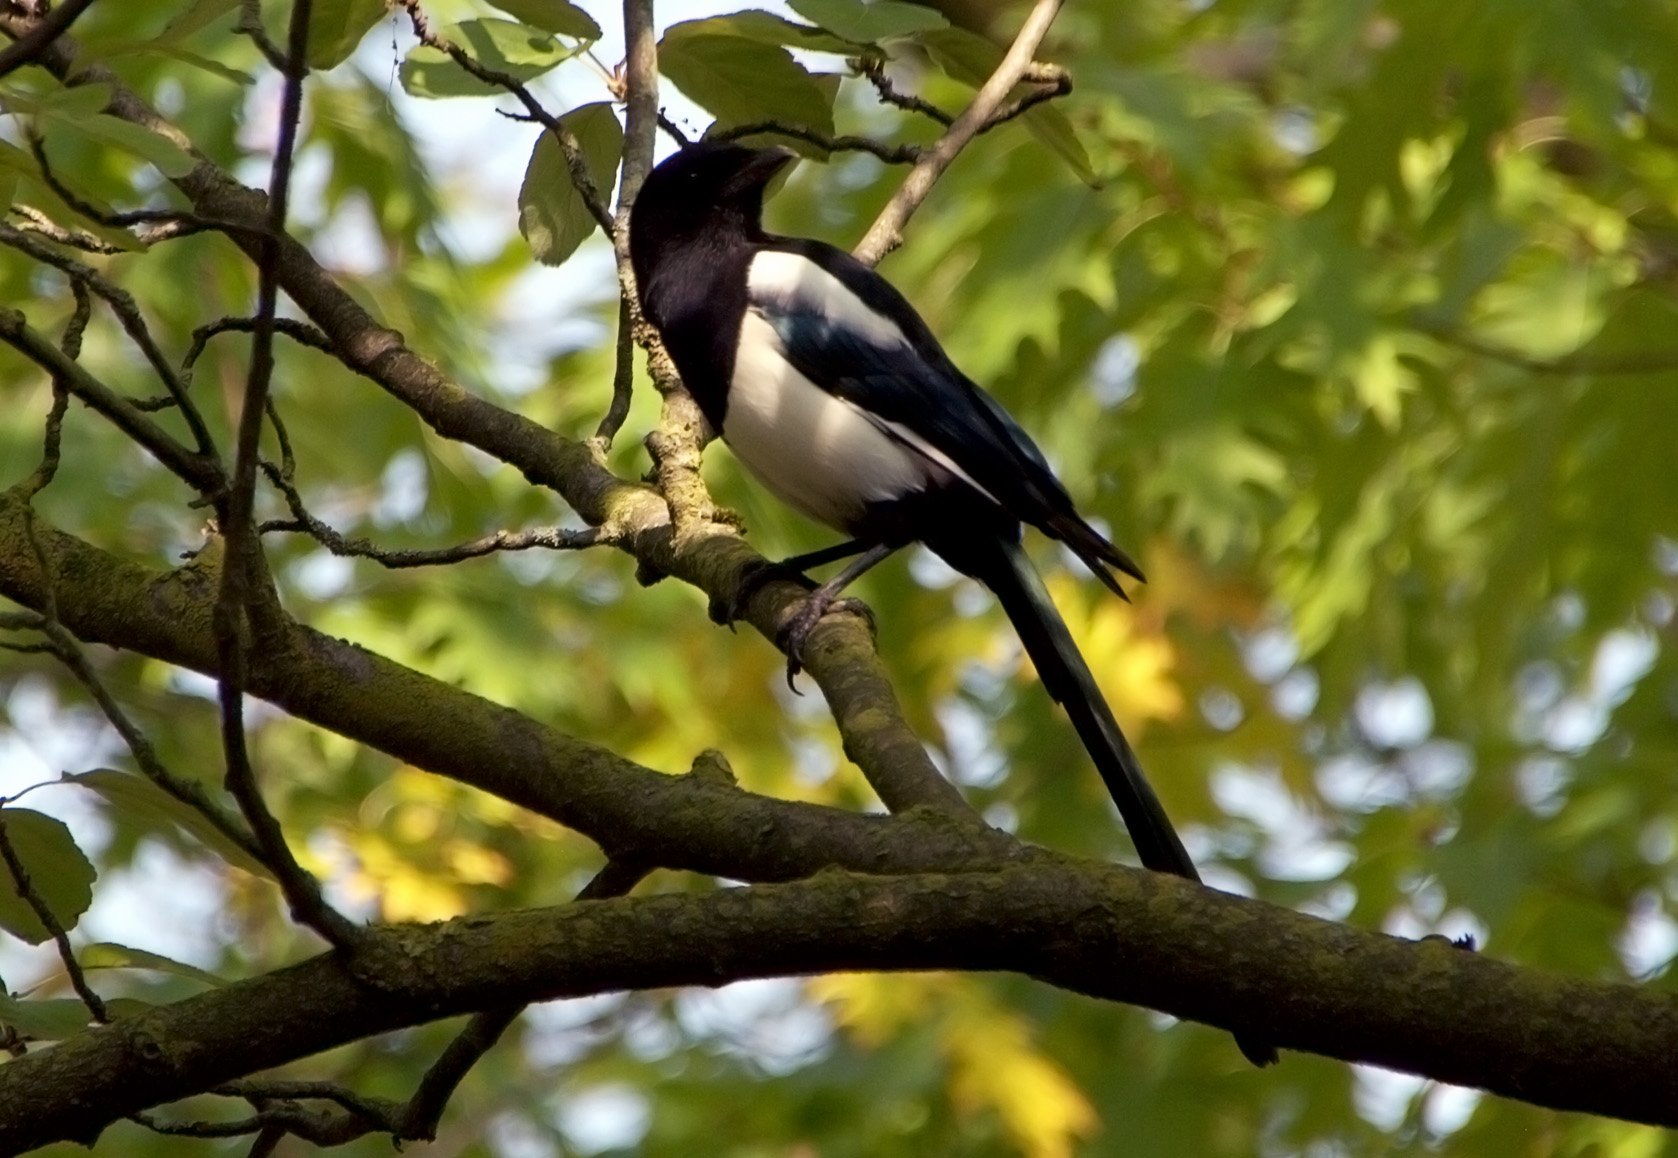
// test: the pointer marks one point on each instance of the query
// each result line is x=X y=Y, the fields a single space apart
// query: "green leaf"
x=557 y=16
x=196 y=16
x=970 y=58
x=169 y=158
x=337 y=26
x=110 y=955
x=869 y=23
x=766 y=28
x=499 y=45
x=741 y=81
x=60 y=876
x=137 y=798
x=53 y=1019
x=552 y=214
x=171 y=52
x=74 y=103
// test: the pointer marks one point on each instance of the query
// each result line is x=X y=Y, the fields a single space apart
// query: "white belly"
x=818 y=453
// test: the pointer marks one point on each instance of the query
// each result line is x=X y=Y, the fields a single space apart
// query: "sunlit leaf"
x=137 y=798
x=501 y=46
x=553 y=216
x=869 y=23
x=109 y=955
x=337 y=26
x=766 y=28
x=742 y=81
x=557 y=16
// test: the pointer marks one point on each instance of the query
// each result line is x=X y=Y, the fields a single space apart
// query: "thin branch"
x=250 y=24
x=65 y=648
x=34 y=221
x=127 y=310
x=305 y=523
x=180 y=222
x=890 y=154
x=298 y=331
x=874 y=68
x=202 y=473
x=244 y=571
x=48 y=29
x=886 y=234
x=672 y=130
x=26 y=890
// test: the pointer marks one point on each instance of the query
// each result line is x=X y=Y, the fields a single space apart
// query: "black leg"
x=821 y=600
x=791 y=570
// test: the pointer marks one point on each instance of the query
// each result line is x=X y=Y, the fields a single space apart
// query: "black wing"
x=853 y=334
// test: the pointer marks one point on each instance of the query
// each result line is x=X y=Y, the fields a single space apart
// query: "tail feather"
x=1003 y=566
x=1093 y=548
x=1008 y=572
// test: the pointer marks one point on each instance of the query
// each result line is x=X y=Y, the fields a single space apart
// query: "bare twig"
x=26 y=890
x=181 y=222
x=203 y=473
x=250 y=24
x=34 y=221
x=127 y=310
x=298 y=331
x=672 y=130
x=50 y=27
x=305 y=523
x=67 y=650
x=890 y=154
x=886 y=234
x=497 y=542
x=244 y=571
x=874 y=68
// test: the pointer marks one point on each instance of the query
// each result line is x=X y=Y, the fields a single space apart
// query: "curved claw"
x=796 y=632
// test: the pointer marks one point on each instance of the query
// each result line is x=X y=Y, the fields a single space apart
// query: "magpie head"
x=707 y=189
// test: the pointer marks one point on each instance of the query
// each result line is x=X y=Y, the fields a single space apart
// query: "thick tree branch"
x=632 y=811
x=1121 y=934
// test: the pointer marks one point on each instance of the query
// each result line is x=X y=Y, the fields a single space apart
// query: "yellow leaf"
x=1132 y=666
x=873 y=1006
x=994 y=1065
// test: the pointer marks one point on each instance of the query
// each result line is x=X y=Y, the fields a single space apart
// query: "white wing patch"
x=819 y=453
x=791 y=282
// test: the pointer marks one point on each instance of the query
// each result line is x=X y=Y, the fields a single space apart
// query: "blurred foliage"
x=1357 y=321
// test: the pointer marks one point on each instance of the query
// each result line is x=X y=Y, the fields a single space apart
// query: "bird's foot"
x=754 y=577
x=795 y=633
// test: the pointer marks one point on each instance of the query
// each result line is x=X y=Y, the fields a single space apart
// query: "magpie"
x=833 y=393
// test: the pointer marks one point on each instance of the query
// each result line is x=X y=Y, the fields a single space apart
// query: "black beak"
x=760 y=170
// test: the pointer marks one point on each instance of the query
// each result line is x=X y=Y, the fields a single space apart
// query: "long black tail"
x=1003 y=566
x=1008 y=572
